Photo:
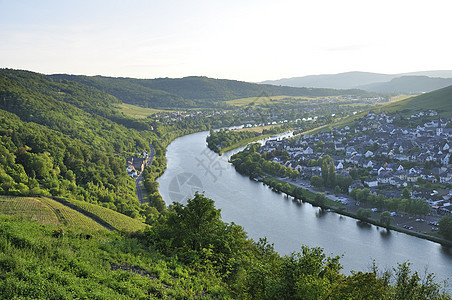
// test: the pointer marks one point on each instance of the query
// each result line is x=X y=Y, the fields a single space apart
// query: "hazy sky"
x=234 y=39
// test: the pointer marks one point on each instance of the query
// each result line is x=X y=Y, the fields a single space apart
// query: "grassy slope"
x=115 y=219
x=36 y=263
x=48 y=211
x=439 y=100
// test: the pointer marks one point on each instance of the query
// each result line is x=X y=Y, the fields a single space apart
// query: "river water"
x=287 y=224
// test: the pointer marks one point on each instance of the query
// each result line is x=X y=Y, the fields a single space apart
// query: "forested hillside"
x=192 y=91
x=61 y=138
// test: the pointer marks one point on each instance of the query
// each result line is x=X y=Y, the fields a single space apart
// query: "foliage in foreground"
x=187 y=253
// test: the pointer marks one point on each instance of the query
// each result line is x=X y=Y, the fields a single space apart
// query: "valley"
x=65 y=144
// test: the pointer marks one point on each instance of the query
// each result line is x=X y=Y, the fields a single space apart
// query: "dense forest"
x=65 y=139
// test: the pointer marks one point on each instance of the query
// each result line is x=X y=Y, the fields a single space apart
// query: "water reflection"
x=321 y=213
x=385 y=233
x=363 y=225
x=447 y=250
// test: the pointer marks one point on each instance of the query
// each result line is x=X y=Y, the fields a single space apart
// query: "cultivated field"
x=265 y=100
x=46 y=211
x=115 y=219
x=136 y=111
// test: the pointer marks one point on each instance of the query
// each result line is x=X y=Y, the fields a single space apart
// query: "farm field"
x=46 y=211
x=257 y=128
x=136 y=111
x=265 y=100
x=115 y=219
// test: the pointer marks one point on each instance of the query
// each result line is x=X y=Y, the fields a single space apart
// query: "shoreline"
x=335 y=209
x=343 y=212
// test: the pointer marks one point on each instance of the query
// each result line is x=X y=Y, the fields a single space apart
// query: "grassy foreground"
x=189 y=253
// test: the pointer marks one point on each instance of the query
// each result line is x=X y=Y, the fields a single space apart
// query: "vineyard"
x=115 y=219
x=72 y=217
x=46 y=211
x=31 y=209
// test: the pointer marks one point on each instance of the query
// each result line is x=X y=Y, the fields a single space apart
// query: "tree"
x=360 y=285
x=364 y=213
x=325 y=172
x=354 y=173
x=196 y=233
x=337 y=190
x=406 y=194
x=385 y=218
x=316 y=181
x=156 y=200
x=445 y=227
x=320 y=199
x=331 y=175
x=343 y=182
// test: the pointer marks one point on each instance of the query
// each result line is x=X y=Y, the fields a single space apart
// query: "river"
x=287 y=224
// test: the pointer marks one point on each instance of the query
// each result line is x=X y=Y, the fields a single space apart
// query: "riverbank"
x=289 y=224
x=244 y=143
x=350 y=209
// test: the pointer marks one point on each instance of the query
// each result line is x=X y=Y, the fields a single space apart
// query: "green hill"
x=409 y=85
x=191 y=91
x=112 y=218
x=439 y=100
x=68 y=140
x=40 y=262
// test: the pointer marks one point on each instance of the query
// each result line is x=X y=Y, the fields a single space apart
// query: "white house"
x=371 y=182
x=370 y=164
x=368 y=154
x=308 y=151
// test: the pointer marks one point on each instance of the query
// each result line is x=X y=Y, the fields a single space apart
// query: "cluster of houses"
x=394 y=156
x=136 y=164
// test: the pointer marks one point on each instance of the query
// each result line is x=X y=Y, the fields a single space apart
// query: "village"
x=383 y=153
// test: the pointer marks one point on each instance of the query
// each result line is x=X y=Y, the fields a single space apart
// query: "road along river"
x=287 y=224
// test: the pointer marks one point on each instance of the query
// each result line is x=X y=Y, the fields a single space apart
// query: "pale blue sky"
x=243 y=40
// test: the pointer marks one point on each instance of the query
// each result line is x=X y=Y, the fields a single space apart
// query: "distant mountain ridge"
x=409 y=85
x=374 y=82
x=192 y=91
